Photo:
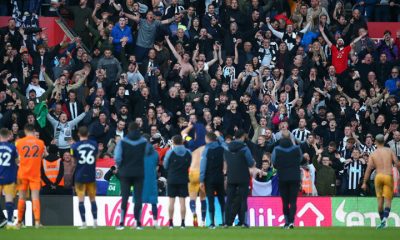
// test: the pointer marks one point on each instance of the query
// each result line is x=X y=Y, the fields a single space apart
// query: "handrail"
x=68 y=31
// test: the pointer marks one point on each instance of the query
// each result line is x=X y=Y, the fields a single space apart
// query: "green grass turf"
x=105 y=233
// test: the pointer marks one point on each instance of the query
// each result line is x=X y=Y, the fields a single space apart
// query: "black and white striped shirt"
x=288 y=105
x=366 y=149
x=300 y=134
x=355 y=171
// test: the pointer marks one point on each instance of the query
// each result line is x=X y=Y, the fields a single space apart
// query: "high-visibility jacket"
x=306 y=182
x=52 y=173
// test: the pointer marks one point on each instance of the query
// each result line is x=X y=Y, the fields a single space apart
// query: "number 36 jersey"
x=8 y=165
x=30 y=151
x=85 y=153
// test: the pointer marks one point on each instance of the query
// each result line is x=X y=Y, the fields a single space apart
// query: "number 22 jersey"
x=30 y=151
x=8 y=166
x=85 y=153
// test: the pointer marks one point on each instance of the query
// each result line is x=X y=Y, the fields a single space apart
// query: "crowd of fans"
x=190 y=66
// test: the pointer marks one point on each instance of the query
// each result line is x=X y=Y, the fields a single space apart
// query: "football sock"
x=386 y=213
x=121 y=223
x=192 y=204
x=82 y=211
x=381 y=215
x=94 y=209
x=10 y=211
x=2 y=216
x=203 y=210
x=154 y=211
x=36 y=209
x=21 y=209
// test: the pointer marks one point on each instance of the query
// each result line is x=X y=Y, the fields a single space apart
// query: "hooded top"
x=286 y=158
x=238 y=158
x=129 y=154
x=177 y=162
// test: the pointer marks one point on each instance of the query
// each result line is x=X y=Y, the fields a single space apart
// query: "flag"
x=16 y=14
x=102 y=166
x=40 y=112
x=268 y=188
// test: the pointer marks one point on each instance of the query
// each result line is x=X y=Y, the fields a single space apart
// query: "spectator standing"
x=147 y=32
x=340 y=52
x=121 y=34
x=325 y=177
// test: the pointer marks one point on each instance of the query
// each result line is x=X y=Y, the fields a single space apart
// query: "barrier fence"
x=262 y=212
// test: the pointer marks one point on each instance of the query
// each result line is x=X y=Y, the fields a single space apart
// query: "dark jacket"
x=177 y=162
x=286 y=158
x=212 y=163
x=325 y=179
x=129 y=155
x=238 y=159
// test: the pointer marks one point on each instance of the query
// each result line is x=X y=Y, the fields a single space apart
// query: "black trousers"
x=289 y=191
x=235 y=192
x=211 y=188
x=126 y=184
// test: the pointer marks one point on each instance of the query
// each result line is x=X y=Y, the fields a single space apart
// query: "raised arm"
x=82 y=77
x=116 y=5
x=215 y=57
x=168 y=21
x=185 y=132
x=276 y=33
x=236 y=59
x=276 y=87
x=321 y=29
x=305 y=29
x=96 y=8
x=135 y=17
x=358 y=39
x=195 y=54
x=296 y=94
x=220 y=60
x=171 y=46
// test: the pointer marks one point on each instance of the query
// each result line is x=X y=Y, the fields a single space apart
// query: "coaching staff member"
x=212 y=175
x=177 y=162
x=286 y=158
x=239 y=163
x=129 y=155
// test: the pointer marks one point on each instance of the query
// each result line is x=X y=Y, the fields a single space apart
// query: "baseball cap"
x=13 y=80
x=394 y=121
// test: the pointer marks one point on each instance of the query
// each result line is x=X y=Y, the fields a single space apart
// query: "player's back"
x=8 y=165
x=85 y=153
x=196 y=156
x=383 y=160
x=30 y=151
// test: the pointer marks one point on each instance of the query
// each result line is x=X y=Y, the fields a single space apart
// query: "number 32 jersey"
x=85 y=153
x=8 y=166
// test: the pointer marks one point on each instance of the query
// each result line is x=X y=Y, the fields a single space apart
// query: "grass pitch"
x=105 y=233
